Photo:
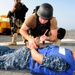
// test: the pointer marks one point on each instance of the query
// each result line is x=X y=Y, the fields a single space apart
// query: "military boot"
x=14 y=39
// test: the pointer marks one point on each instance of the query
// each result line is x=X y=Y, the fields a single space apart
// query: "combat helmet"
x=45 y=11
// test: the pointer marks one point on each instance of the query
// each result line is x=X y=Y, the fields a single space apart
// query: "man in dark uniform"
x=17 y=17
x=42 y=24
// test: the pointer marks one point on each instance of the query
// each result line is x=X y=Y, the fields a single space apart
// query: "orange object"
x=4 y=25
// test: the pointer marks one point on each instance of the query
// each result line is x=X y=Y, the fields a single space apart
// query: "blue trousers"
x=11 y=59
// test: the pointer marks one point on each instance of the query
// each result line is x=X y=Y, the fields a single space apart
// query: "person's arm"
x=53 y=35
x=15 y=7
x=49 y=61
x=36 y=56
x=26 y=26
x=24 y=33
x=51 y=38
x=34 y=53
x=53 y=32
x=10 y=13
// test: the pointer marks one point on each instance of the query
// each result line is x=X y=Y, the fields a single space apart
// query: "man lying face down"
x=49 y=60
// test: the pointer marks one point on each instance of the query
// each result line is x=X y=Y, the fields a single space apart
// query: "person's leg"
x=14 y=39
x=5 y=50
x=16 y=60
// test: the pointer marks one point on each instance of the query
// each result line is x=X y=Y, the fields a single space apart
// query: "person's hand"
x=37 y=40
x=31 y=47
x=43 y=38
x=31 y=42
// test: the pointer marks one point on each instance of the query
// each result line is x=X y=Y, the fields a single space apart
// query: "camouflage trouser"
x=15 y=30
x=55 y=63
x=11 y=59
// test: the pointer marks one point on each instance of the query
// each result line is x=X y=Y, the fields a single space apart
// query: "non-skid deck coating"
x=19 y=72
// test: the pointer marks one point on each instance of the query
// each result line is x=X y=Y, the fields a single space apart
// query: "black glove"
x=9 y=14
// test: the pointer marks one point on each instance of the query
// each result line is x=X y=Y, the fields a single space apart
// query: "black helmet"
x=45 y=11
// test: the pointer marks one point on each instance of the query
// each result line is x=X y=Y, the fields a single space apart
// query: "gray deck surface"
x=4 y=38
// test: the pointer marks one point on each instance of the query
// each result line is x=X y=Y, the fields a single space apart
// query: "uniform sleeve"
x=55 y=63
x=31 y=21
x=53 y=22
